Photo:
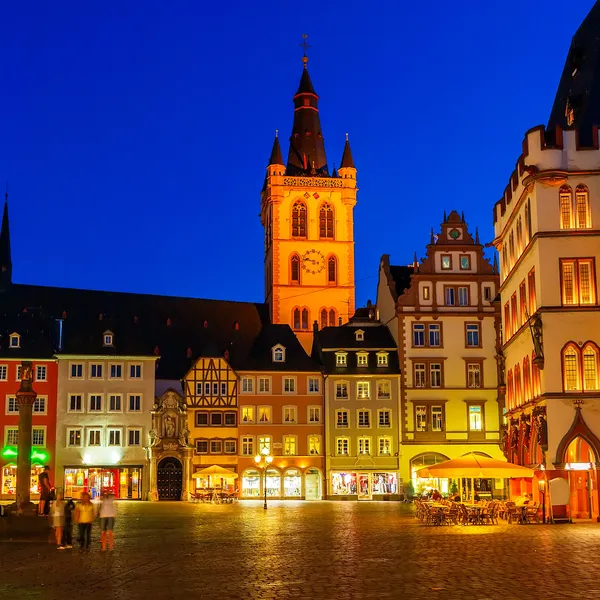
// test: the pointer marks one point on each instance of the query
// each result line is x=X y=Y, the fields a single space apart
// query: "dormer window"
x=14 y=340
x=278 y=353
x=360 y=335
x=382 y=359
x=341 y=359
x=108 y=338
x=362 y=359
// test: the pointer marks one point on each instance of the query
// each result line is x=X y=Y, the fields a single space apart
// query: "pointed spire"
x=335 y=173
x=347 y=160
x=477 y=235
x=5 y=255
x=577 y=102
x=462 y=216
x=445 y=217
x=276 y=156
x=495 y=268
x=432 y=237
x=415 y=260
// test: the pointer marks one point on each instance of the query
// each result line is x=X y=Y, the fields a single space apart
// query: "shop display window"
x=385 y=483
x=251 y=484
x=343 y=483
x=124 y=483
x=9 y=479
x=292 y=483
x=273 y=483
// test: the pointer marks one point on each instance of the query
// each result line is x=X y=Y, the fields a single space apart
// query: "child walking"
x=107 y=519
x=84 y=517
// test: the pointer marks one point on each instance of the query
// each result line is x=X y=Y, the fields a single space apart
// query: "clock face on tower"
x=313 y=261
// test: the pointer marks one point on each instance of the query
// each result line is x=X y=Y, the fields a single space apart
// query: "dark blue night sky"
x=135 y=134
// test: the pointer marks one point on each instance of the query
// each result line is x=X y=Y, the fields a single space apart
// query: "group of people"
x=63 y=512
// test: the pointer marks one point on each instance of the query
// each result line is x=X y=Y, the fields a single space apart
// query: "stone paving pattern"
x=323 y=550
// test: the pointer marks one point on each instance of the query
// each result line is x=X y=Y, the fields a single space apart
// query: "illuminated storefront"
x=292 y=483
x=9 y=480
x=123 y=482
x=364 y=485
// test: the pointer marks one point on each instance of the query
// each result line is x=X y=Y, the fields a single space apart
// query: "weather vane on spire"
x=305 y=45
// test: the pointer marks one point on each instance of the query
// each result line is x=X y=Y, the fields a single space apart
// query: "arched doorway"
x=169 y=479
x=427 y=459
x=582 y=478
x=312 y=484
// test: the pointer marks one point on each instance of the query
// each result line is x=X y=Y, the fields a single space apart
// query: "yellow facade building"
x=308 y=217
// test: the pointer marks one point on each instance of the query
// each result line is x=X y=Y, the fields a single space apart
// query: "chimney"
x=339 y=321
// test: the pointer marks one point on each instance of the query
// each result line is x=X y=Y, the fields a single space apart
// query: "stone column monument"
x=25 y=399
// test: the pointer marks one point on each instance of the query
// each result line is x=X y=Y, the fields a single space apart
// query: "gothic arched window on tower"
x=571 y=368
x=323 y=318
x=582 y=208
x=332 y=317
x=299 y=220
x=565 y=199
x=590 y=367
x=332 y=269
x=295 y=268
x=296 y=318
x=305 y=318
x=326 y=221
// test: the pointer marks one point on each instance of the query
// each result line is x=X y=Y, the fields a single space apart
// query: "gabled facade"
x=442 y=313
x=362 y=391
x=308 y=216
x=547 y=227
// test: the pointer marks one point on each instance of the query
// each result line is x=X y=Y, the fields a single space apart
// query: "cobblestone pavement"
x=323 y=550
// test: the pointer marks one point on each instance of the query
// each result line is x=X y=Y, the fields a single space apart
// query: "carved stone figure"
x=184 y=437
x=536 y=333
x=169 y=426
x=153 y=437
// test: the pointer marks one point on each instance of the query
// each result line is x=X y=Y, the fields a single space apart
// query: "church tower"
x=308 y=216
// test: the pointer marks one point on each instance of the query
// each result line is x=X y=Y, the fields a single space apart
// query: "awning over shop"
x=474 y=466
x=215 y=471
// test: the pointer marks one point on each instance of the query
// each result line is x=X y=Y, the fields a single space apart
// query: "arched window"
x=510 y=392
x=571 y=368
x=332 y=318
x=528 y=227
x=305 y=318
x=535 y=378
x=582 y=208
x=590 y=367
x=511 y=248
x=505 y=265
x=519 y=235
x=299 y=219
x=323 y=318
x=518 y=390
x=332 y=269
x=295 y=268
x=326 y=221
x=565 y=200
x=296 y=318
x=526 y=380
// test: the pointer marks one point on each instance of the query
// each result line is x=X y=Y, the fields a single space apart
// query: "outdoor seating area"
x=446 y=512
x=215 y=496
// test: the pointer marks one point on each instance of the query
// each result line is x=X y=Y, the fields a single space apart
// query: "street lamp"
x=263 y=460
x=542 y=488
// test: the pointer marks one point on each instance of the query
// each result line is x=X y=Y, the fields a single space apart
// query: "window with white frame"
x=385 y=446
x=96 y=371
x=435 y=335
x=215 y=388
x=420 y=377
x=76 y=371
x=202 y=446
x=362 y=359
x=437 y=418
x=135 y=403
x=75 y=403
x=41 y=373
x=289 y=414
x=341 y=418
x=199 y=387
x=383 y=389
x=314 y=385
x=3 y=372
x=289 y=385
x=38 y=436
x=247 y=385
x=12 y=436
x=14 y=341
x=475 y=417
x=474 y=375
x=95 y=403
x=247 y=413
x=341 y=359
x=247 y=446
x=223 y=389
x=363 y=390
x=264 y=414
x=289 y=445
x=216 y=446
x=314 y=414
x=463 y=296
x=114 y=437
x=472 y=335
x=230 y=446
x=278 y=354
x=115 y=371
x=264 y=444
x=74 y=437
x=342 y=446
x=314 y=445
x=435 y=374
x=134 y=436
x=207 y=388
x=108 y=338
x=364 y=418
x=359 y=335
x=418 y=331
x=264 y=385
x=135 y=371
x=341 y=390
x=382 y=359
x=12 y=407
x=39 y=405
x=94 y=437
x=115 y=403
x=385 y=418
x=18 y=373
x=364 y=446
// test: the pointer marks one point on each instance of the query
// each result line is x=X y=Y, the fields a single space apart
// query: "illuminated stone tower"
x=308 y=216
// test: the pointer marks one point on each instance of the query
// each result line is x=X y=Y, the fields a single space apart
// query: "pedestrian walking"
x=84 y=517
x=45 y=489
x=108 y=512
x=57 y=518
x=67 y=540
